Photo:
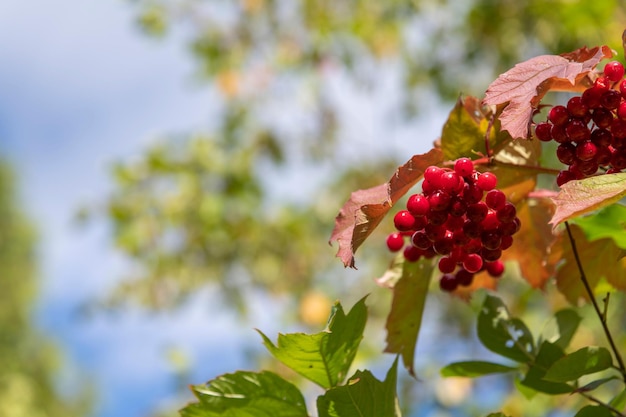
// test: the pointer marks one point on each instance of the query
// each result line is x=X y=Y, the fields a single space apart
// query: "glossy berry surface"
x=458 y=217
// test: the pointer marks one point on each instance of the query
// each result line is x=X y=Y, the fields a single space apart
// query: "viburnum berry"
x=460 y=217
x=464 y=167
x=486 y=181
x=395 y=242
x=495 y=269
x=614 y=71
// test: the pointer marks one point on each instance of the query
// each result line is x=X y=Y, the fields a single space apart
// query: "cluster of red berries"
x=461 y=217
x=591 y=128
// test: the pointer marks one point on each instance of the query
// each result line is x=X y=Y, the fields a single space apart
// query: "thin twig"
x=601 y=316
x=603 y=404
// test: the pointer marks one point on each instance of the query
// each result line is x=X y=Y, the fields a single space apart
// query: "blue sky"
x=81 y=88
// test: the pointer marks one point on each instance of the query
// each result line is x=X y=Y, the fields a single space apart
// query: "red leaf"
x=524 y=85
x=360 y=215
x=583 y=196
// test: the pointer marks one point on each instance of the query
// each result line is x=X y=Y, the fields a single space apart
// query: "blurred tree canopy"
x=27 y=359
x=202 y=208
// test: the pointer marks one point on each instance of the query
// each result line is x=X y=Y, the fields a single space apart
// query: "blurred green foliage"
x=201 y=209
x=28 y=360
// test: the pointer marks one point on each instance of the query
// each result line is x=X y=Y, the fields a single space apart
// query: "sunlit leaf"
x=599 y=258
x=497 y=415
x=585 y=361
x=405 y=319
x=583 y=196
x=609 y=222
x=525 y=84
x=324 y=357
x=362 y=396
x=503 y=334
x=360 y=215
x=548 y=354
x=474 y=369
x=619 y=401
x=463 y=134
x=247 y=394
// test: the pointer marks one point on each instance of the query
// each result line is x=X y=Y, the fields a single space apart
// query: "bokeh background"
x=171 y=171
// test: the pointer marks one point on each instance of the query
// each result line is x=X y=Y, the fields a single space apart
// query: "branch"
x=596 y=307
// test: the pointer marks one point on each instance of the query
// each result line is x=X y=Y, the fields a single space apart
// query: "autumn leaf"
x=583 y=196
x=365 y=209
x=405 y=319
x=599 y=258
x=531 y=245
x=523 y=86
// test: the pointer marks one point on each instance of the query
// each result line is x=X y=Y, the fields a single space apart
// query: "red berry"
x=491 y=255
x=621 y=110
x=586 y=151
x=564 y=177
x=491 y=220
x=566 y=153
x=577 y=130
x=464 y=167
x=421 y=241
x=622 y=88
x=447 y=265
x=412 y=254
x=495 y=199
x=464 y=277
x=486 y=181
x=403 y=220
x=433 y=174
x=576 y=107
x=448 y=283
x=610 y=99
x=491 y=239
x=602 y=117
x=418 y=205
x=558 y=115
x=449 y=181
x=395 y=242
x=495 y=269
x=506 y=213
x=472 y=194
x=614 y=71
x=507 y=242
x=472 y=229
x=439 y=201
x=543 y=132
x=476 y=212
x=473 y=263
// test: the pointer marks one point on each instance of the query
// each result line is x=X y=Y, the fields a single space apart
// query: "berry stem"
x=601 y=316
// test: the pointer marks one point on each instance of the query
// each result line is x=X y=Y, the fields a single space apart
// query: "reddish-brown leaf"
x=599 y=258
x=360 y=215
x=524 y=85
x=405 y=318
x=531 y=245
x=579 y=197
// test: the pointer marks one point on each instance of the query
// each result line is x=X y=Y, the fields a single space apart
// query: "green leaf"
x=362 y=396
x=594 y=411
x=497 y=415
x=595 y=384
x=474 y=368
x=619 y=401
x=502 y=334
x=567 y=321
x=247 y=394
x=324 y=357
x=583 y=196
x=405 y=319
x=585 y=361
x=548 y=354
x=464 y=131
x=609 y=222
